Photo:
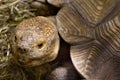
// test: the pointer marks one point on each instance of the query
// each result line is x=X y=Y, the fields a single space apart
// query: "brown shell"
x=92 y=27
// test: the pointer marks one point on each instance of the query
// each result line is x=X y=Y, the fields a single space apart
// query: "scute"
x=71 y=26
x=95 y=62
x=94 y=11
x=108 y=34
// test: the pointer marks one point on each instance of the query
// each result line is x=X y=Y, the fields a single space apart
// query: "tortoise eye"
x=40 y=45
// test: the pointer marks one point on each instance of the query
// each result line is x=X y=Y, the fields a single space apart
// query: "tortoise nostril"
x=15 y=38
x=22 y=50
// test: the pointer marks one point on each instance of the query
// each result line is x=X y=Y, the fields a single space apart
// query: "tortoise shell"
x=92 y=27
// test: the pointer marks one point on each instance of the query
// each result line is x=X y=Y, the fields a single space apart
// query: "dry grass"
x=12 y=12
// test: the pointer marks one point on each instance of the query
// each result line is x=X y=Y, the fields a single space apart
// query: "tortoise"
x=91 y=27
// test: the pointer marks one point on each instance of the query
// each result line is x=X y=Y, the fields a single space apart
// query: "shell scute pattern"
x=108 y=33
x=93 y=58
x=94 y=11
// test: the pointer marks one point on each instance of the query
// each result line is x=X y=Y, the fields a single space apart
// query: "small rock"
x=38 y=5
x=58 y=3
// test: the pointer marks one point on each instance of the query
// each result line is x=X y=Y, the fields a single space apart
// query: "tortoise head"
x=35 y=42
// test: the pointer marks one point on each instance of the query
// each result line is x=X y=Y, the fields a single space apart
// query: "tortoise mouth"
x=29 y=62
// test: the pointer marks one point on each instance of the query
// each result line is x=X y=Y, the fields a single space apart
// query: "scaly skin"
x=36 y=42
